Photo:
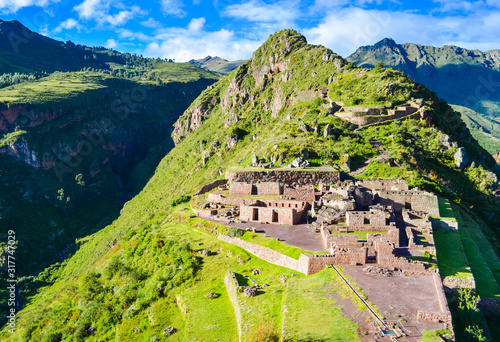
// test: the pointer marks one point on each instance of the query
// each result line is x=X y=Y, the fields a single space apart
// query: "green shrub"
x=179 y=200
x=235 y=232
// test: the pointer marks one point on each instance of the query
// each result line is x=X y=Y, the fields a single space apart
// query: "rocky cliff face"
x=267 y=81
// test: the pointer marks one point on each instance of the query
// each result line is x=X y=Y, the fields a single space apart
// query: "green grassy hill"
x=144 y=273
x=462 y=77
x=81 y=132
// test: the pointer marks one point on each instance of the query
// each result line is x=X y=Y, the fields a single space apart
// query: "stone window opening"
x=366 y=220
x=408 y=205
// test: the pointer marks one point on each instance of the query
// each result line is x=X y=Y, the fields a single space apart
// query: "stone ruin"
x=335 y=210
x=367 y=115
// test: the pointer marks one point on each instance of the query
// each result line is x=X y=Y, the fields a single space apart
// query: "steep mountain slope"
x=75 y=145
x=143 y=273
x=467 y=78
x=216 y=64
x=25 y=51
x=111 y=132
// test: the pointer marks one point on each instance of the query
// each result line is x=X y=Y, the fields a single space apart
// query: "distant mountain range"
x=216 y=64
x=466 y=78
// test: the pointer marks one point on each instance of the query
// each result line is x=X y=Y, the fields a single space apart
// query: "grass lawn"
x=214 y=319
x=478 y=251
x=281 y=247
x=312 y=314
x=445 y=209
x=450 y=254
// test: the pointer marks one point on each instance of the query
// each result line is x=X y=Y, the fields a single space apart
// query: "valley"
x=159 y=259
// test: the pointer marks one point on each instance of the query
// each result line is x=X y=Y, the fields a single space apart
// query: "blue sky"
x=186 y=29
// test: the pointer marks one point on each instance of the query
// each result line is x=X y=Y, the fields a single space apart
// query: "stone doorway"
x=255 y=214
x=275 y=216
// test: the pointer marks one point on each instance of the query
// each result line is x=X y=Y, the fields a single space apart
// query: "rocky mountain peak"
x=389 y=42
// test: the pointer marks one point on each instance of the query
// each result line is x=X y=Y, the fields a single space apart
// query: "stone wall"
x=417 y=222
x=312 y=264
x=340 y=204
x=209 y=187
x=269 y=215
x=435 y=317
x=350 y=229
x=205 y=213
x=264 y=253
x=217 y=198
x=347 y=241
x=443 y=304
x=366 y=218
x=240 y=189
x=459 y=283
x=268 y=189
x=295 y=178
x=232 y=288
x=418 y=200
x=306 y=194
x=383 y=184
x=363 y=118
x=445 y=224
x=386 y=258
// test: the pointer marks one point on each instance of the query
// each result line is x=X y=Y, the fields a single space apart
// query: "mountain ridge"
x=216 y=64
x=151 y=272
x=463 y=77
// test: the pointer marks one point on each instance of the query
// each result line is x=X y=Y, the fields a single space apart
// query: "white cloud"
x=68 y=24
x=259 y=11
x=344 y=30
x=151 y=23
x=196 y=24
x=99 y=10
x=111 y=44
x=194 y=41
x=91 y=8
x=133 y=35
x=173 y=8
x=12 y=6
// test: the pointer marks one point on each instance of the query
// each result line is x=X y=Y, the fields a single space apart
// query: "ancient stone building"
x=278 y=212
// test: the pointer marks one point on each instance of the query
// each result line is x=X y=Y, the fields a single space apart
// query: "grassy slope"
x=177 y=174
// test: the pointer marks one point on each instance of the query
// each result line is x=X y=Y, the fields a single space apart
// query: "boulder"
x=250 y=291
x=300 y=163
x=255 y=160
x=206 y=252
x=327 y=131
x=345 y=162
x=169 y=330
x=461 y=158
x=204 y=156
x=303 y=127
x=445 y=141
x=232 y=141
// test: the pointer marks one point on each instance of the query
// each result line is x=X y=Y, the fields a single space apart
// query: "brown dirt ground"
x=396 y=297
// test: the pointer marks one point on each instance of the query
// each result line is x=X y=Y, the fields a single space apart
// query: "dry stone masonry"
x=338 y=211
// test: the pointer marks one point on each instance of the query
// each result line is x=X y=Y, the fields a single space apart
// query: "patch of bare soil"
x=399 y=297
